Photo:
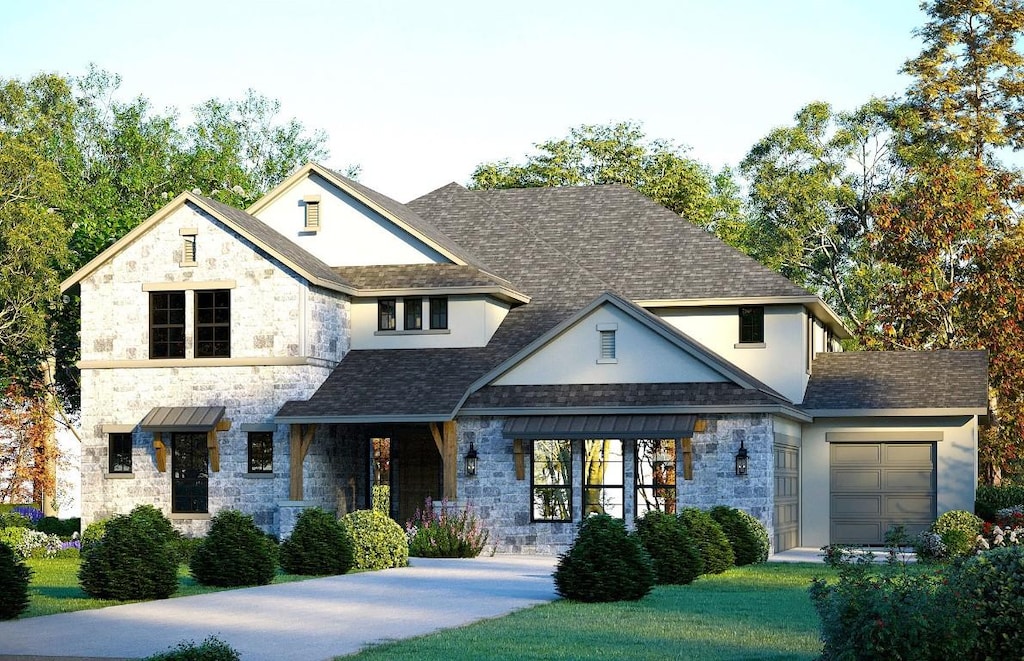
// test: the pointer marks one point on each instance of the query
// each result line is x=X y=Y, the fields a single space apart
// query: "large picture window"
x=119 y=453
x=261 y=452
x=552 y=480
x=167 y=324
x=602 y=477
x=213 y=323
x=655 y=475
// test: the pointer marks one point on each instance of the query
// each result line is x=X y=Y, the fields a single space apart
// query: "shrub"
x=674 y=553
x=380 y=499
x=605 y=563
x=65 y=528
x=162 y=526
x=959 y=529
x=31 y=513
x=1010 y=517
x=889 y=612
x=211 y=649
x=28 y=543
x=747 y=536
x=989 y=499
x=14 y=578
x=133 y=560
x=446 y=534
x=234 y=553
x=715 y=551
x=929 y=547
x=992 y=584
x=185 y=548
x=93 y=533
x=319 y=545
x=13 y=519
x=377 y=541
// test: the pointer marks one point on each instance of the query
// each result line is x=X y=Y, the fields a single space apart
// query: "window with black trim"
x=752 y=324
x=551 y=486
x=413 y=313
x=119 y=453
x=438 y=313
x=213 y=323
x=602 y=477
x=167 y=324
x=261 y=452
x=655 y=475
x=386 y=314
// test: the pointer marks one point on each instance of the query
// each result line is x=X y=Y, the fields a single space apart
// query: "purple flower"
x=30 y=513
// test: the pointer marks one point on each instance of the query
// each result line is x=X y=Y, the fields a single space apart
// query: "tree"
x=621 y=154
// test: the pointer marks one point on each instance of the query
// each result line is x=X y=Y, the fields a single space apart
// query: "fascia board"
x=498 y=292
x=358 y=419
x=894 y=413
x=649 y=410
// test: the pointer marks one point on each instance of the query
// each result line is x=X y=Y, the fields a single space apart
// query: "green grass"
x=54 y=587
x=755 y=612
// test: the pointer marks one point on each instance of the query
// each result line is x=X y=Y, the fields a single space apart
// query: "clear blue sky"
x=419 y=92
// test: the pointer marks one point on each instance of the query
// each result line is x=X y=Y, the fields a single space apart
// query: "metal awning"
x=182 y=418
x=600 y=426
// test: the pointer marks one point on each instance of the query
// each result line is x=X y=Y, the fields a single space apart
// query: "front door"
x=189 y=473
x=416 y=472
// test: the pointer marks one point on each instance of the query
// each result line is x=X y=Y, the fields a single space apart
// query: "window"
x=602 y=477
x=552 y=481
x=190 y=477
x=413 y=313
x=312 y=203
x=119 y=453
x=213 y=323
x=655 y=475
x=167 y=324
x=752 y=324
x=438 y=313
x=261 y=452
x=386 y=314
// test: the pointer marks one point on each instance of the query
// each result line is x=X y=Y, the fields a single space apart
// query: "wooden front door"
x=415 y=472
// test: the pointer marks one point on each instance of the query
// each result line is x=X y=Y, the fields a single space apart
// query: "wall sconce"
x=471 y=460
x=741 y=460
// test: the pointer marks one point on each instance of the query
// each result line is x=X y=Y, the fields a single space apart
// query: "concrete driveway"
x=303 y=621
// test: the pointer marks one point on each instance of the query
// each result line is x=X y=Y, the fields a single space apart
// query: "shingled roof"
x=418 y=276
x=893 y=380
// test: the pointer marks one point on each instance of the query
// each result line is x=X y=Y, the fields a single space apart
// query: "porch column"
x=301 y=438
x=447 y=440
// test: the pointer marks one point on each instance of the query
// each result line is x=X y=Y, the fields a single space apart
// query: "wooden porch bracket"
x=300 y=440
x=446 y=439
x=519 y=458
x=700 y=426
x=213 y=443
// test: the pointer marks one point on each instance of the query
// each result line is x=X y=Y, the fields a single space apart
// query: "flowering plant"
x=445 y=534
x=32 y=514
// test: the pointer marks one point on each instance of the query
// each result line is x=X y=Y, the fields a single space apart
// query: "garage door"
x=787 y=497
x=879 y=485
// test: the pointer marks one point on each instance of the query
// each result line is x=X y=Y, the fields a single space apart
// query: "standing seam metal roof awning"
x=599 y=426
x=182 y=418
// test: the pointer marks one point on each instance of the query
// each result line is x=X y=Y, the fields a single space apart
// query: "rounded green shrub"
x=674 y=553
x=377 y=541
x=14 y=520
x=604 y=563
x=64 y=528
x=747 y=536
x=162 y=526
x=14 y=578
x=958 y=529
x=211 y=649
x=133 y=560
x=93 y=534
x=991 y=588
x=319 y=545
x=234 y=553
x=715 y=550
x=380 y=498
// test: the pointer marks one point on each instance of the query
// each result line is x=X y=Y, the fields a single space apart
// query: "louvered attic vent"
x=312 y=212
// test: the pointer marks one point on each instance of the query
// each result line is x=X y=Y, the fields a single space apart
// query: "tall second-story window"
x=386 y=314
x=438 y=313
x=413 y=313
x=167 y=324
x=752 y=324
x=213 y=323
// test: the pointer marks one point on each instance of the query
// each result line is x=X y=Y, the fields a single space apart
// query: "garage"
x=875 y=486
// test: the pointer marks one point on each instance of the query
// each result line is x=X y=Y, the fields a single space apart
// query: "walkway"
x=303 y=621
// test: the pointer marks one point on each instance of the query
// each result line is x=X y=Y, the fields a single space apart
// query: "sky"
x=418 y=93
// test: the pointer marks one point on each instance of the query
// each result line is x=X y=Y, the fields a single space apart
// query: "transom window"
x=119 y=452
x=213 y=323
x=167 y=324
x=413 y=313
x=552 y=480
x=261 y=452
x=655 y=475
x=602 y=477
x=752 y=324
x=438 y=313
x=386 y=314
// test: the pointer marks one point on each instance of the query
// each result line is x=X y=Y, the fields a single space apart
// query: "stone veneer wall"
x=503 y=502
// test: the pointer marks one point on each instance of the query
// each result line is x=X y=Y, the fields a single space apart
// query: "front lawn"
x=754 y=612
x=54 y=587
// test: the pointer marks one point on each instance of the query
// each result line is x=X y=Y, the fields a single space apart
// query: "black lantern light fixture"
x=741 y=460
x=471 y=460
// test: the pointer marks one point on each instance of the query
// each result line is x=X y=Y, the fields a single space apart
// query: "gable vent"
x=607 y=344
x=312 y=212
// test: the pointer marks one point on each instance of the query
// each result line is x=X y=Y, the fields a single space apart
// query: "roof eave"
x=652 y=410
x=923 y=412
x=503 y=293
x=360 y=419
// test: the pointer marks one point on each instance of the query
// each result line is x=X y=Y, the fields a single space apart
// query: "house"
x=539 y=354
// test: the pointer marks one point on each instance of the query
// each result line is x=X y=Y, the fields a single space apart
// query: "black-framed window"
x=655 y=475
x=190 y=474
x=386 y=314
x=119 y=453
x=213 y=323
x=261 y=452
x=413 y=313
x=438 y=313
x=752 y=324
x=167 y=324
x=603 y=477
x=551 y=484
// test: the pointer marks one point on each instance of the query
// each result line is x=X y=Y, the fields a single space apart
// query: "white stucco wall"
x=350 y=233
x=472 y=321
x=642 y=356
x=956 y=465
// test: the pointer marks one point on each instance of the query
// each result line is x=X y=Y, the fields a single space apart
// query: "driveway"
x=303 y=621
